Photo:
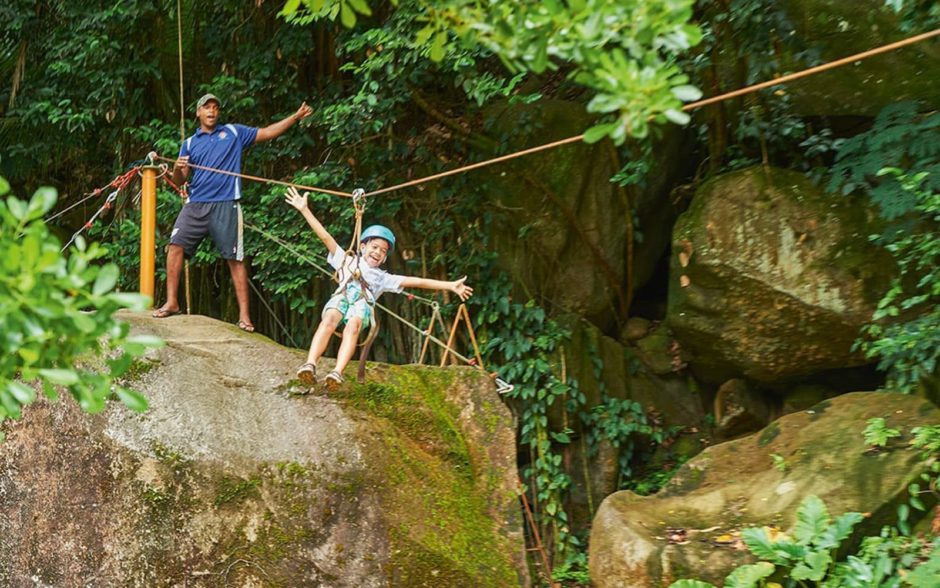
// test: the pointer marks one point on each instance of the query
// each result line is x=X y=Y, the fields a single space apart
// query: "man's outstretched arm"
x=277 y=129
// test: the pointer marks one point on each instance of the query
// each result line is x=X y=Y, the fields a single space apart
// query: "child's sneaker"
x=307 y=374
x=333 y=381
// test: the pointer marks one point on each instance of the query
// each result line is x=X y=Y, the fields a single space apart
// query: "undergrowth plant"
x=808 y=557
x=57 y=316
x=904 y=335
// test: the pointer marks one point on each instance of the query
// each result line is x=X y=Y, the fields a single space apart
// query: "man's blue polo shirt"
x=220 y=149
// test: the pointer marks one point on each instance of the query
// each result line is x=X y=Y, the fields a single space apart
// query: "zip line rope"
x=258 y=178
x=685 y=108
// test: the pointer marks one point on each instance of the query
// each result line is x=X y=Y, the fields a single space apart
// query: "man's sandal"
x=164 y=313
x=246 y=326
x=307 y=374
x=333 y=381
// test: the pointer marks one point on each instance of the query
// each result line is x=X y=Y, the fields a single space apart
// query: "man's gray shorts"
x=220 y=220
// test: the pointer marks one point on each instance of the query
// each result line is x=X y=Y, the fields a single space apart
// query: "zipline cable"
x=686 y=108
x=260 y=179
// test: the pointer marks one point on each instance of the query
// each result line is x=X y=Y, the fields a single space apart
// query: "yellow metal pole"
x=148 y=228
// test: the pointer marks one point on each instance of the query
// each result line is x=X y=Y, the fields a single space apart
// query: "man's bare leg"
x=240 y=280
x=174 y=266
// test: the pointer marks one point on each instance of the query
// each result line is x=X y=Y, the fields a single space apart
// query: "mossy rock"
x=230 y=479
x=739 y=484
x=771 y=278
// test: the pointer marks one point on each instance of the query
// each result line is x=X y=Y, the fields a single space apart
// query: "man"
x=213 y=208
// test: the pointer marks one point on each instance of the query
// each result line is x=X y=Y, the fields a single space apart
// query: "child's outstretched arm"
x=299 y=202
x=457 y=286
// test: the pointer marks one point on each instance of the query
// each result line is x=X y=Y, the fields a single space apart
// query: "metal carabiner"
x=359 y=200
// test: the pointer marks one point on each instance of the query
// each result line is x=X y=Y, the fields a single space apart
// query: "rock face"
x=232 y=479
x=770 y=278
x=563 y=226
x=839 y=29
x=736 y=485
x=648 y=375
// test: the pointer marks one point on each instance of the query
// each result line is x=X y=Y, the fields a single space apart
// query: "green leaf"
x=812 y=518
x=687 y=93
x=346 y=15
x=129 y=300
x=17 y=208
x=361 y=7
x=146 y=340
x=561 y=437
x=437 y=46
x=691 y=584
x=132 y=399
x=677 y=116
x=760 y=545
x=106 y=280
x=925 y=575
x=290 y=7
x=60 y=376
x=598 y=132
x=84 y=323
x=749 y=576
x=23 y=393
x=816 y=564
x=10 y=403
x=4 y=186
x=28 y=354
x=42 y=202
x=423 y=35
x=837 y=532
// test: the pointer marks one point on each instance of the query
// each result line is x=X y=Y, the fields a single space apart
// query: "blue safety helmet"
x=381 y=232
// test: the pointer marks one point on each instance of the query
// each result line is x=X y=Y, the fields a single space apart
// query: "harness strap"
x=366 y=347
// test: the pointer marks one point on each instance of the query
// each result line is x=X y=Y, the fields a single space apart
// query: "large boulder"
x=231 y=478
x=645 y=542
x=771 y=278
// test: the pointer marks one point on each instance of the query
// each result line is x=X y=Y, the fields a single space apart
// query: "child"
x=352 y=301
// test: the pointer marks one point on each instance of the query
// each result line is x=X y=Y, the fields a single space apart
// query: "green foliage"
x=630 y=68
x=808 y=556
x=908 y=347
x=901 y=138
x=927 y=439
x=57 y=313
x=573 y=571
x=877 y=433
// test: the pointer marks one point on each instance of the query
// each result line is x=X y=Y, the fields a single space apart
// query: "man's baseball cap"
x=205 y=99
